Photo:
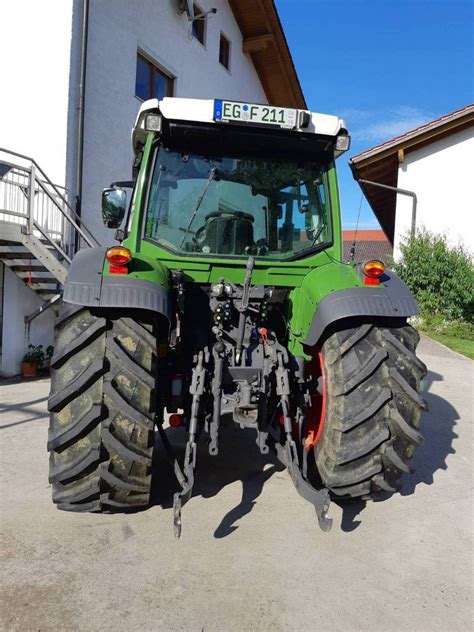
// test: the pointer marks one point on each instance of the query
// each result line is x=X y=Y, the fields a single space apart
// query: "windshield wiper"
x=318 y=234
x=212 y=175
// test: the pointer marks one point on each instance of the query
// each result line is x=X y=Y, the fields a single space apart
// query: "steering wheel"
x=236 y=214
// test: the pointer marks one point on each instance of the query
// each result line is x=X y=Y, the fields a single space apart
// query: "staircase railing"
x=28 y=197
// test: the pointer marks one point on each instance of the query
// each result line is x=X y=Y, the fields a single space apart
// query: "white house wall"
x=441 y=175
x=117 y=30
x=19 y=300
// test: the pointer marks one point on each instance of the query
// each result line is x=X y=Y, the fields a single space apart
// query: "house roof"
x=380 y=163
x=371 y=235
x=370 y=244
x=264 y=40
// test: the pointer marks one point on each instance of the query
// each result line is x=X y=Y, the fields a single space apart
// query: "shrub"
x=439 y=276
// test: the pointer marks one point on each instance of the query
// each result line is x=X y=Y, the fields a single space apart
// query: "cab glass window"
x=237 y=206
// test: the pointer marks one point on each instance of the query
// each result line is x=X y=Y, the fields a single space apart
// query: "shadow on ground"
x=239 y=459
x=23 y=407
x=437 y=427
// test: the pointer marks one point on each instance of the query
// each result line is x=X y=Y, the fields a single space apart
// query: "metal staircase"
x=39 y=230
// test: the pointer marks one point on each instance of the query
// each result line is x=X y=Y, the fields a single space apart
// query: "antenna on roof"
x=353 y=247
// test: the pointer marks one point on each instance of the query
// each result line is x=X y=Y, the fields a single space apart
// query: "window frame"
x=153 y=69
x=201 y=24
x=223 y=37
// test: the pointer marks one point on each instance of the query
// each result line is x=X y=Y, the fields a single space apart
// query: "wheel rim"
x=316 y=412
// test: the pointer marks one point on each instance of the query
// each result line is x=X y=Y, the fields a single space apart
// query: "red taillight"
x=175 y=420
x=371 y=280
x=118 y=255
x=373 y=270
x=118 y=269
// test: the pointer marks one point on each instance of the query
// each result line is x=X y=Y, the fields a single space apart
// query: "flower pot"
x=29 y=369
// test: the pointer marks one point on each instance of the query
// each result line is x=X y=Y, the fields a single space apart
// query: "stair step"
x=34 y=267
x=17 y=255
x=48 y=245
x=46 y=292
x=22 y=248
x=43 y=288
x=10 y=242
x=7 y=242
x=36 y=278
x=39 y=280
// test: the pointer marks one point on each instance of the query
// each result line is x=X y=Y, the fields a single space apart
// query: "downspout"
x=82 y=92
x=411 y=194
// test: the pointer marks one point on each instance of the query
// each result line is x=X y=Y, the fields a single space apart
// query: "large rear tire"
x=102 y=405
x=373 y=409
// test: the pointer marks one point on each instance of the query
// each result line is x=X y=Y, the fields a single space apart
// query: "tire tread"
x=374 y=407
x=102 y=402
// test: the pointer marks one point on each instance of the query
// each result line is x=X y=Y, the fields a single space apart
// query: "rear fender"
x=88 y=284
x=390 y=299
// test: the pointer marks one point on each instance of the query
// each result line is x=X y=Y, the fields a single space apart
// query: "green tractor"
x=227 y=301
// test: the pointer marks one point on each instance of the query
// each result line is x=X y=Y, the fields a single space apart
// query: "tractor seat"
x=226 y=233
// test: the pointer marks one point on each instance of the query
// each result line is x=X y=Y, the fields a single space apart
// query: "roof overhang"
x=265 y=42
x=380 y=164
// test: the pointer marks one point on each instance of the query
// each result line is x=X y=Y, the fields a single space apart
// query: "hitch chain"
x=214 y=423
x=319 y=498
x=182 y=497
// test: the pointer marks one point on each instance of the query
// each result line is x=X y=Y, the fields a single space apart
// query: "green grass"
x=458 y=334
x=461 y=345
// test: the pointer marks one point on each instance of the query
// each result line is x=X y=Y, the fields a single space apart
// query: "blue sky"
x=386 y=66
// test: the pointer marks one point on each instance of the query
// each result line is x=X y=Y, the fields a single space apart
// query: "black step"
x=33 y=279
x=34 y=267
x=17 y=255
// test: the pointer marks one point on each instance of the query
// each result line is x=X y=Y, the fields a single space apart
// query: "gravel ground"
x=251 y=556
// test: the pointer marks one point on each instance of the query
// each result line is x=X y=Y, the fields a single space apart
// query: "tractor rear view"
x=227 y=302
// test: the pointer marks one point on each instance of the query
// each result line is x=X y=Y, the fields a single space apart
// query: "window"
x=199 y=26
x=238 y=206
x=224 y=51
x=151 y=82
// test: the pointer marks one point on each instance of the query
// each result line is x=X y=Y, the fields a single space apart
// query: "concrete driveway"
x=251 y=556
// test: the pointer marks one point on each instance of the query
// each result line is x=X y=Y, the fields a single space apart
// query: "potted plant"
x=32 y=360
x=48 y=354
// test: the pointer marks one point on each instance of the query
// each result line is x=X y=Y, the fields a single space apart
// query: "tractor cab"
x=234 y=179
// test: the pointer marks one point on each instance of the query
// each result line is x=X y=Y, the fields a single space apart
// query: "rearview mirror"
x=113 y=207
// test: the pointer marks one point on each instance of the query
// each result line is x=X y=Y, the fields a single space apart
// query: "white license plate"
x=234 y=112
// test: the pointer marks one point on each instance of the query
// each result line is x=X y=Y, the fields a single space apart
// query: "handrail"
x=42 y=308
x=54 y=187
x=51 y=241
x=63 y=212
x=19 y=171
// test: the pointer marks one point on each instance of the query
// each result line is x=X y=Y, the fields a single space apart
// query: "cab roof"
x=202 y=111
